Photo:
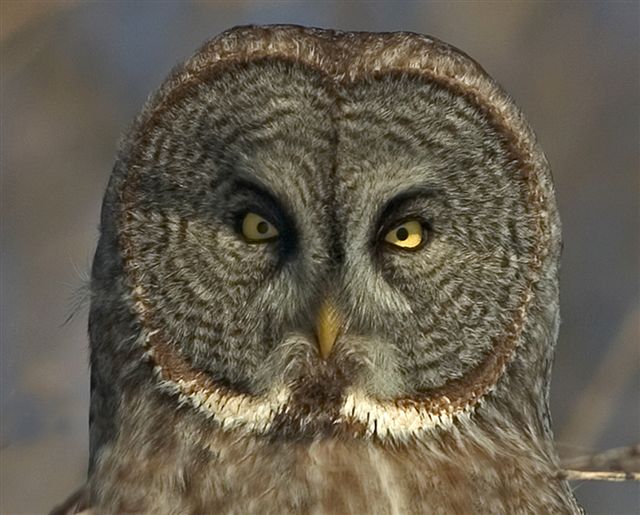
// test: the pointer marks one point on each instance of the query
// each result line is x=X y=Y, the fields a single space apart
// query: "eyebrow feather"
x=396 y=202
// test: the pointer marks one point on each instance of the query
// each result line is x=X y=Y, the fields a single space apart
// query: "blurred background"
x=73 y=75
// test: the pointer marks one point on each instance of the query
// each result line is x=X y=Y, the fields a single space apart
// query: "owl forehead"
x=317 y=143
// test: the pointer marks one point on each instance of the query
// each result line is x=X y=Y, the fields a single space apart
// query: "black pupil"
x=402 y=234
x=262 y=227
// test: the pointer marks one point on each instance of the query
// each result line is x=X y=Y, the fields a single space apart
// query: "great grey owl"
x=326 y=282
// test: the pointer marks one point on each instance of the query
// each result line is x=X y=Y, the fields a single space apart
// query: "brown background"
x=74 y=74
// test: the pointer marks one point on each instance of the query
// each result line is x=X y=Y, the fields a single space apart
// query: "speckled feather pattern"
x=208 y=394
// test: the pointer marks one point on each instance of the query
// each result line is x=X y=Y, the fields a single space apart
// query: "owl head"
x=311 y=233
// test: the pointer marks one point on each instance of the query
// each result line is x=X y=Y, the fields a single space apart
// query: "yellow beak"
x=327 y=328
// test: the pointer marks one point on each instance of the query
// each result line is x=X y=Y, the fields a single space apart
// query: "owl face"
x=304 y=246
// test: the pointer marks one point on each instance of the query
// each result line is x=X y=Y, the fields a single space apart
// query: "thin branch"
x=620 y=464
x=598 y=475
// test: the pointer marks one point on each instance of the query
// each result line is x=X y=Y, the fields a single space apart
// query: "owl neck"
x=487 y=463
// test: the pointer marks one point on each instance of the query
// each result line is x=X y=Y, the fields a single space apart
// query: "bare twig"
x=621 y=464
x=598 y=475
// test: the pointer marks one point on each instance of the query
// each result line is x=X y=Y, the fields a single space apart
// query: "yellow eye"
x=257 y=230
x=408 y=235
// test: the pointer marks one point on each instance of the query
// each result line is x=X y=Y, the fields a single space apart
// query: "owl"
x=326 y=283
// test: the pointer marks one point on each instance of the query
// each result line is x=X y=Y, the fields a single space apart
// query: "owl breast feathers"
x=326 y=282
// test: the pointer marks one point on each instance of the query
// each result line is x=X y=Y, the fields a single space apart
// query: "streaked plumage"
x=209 y=391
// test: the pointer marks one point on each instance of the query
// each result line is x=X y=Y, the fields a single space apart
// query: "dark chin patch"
x=316 y=400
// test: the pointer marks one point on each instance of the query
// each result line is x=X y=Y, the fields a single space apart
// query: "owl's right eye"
x=256 y=229
x=408 y=235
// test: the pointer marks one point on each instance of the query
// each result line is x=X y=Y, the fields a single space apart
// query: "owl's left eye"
x=258 y=230
x=408 y=235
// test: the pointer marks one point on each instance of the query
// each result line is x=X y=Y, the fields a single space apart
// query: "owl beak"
x=328 y=326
